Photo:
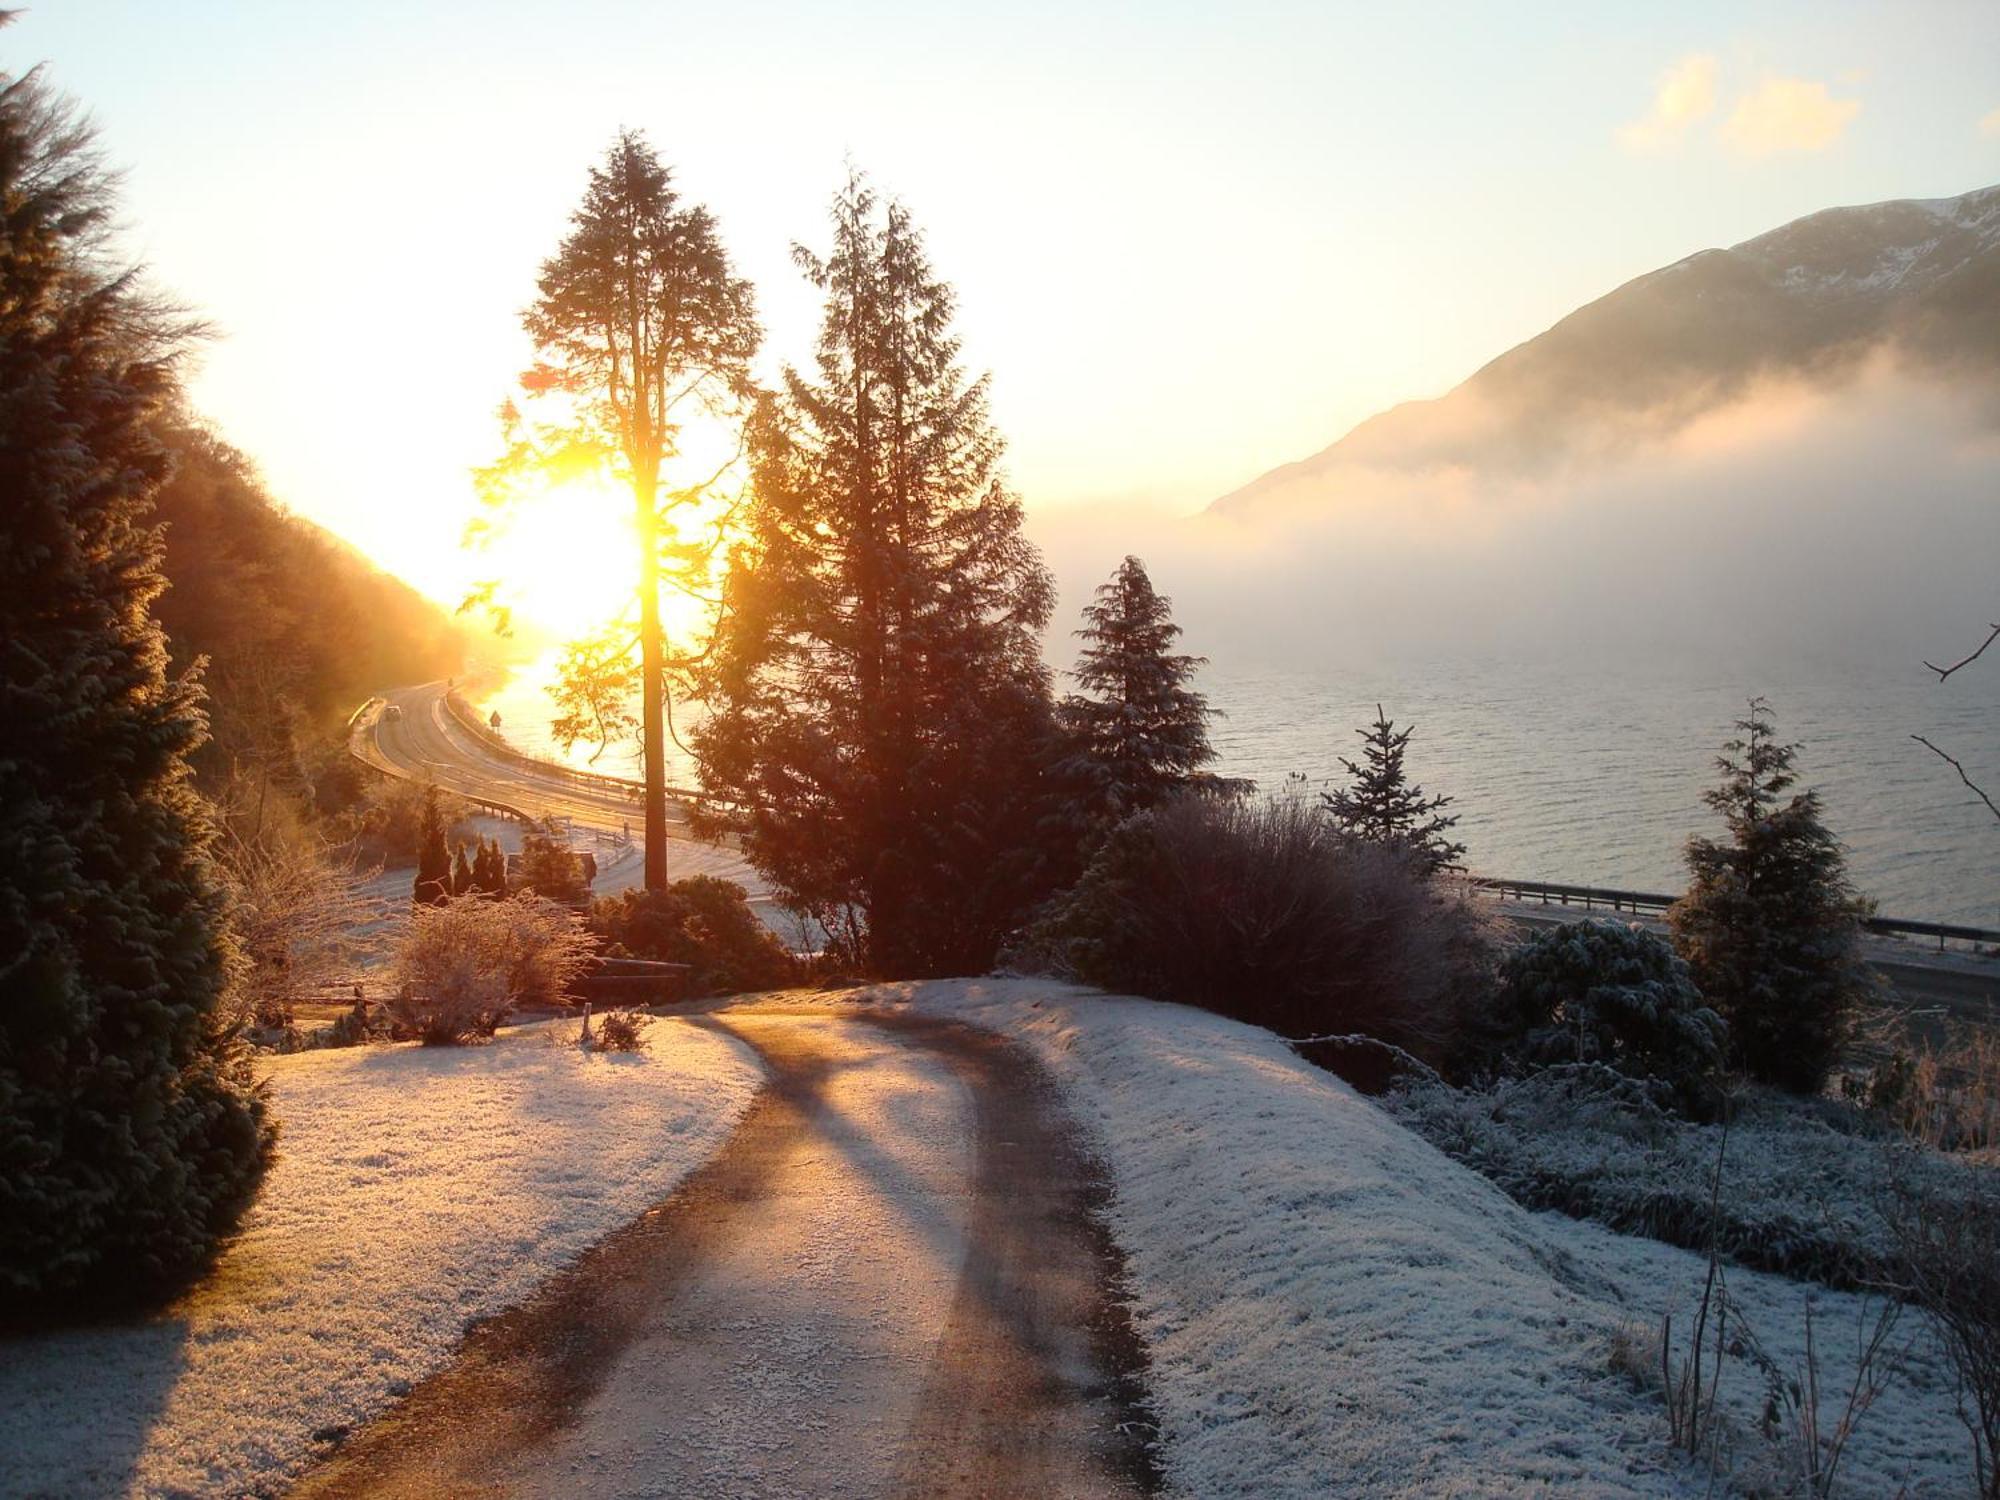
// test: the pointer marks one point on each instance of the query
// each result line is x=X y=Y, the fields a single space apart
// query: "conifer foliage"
x=878 y=704
x=1383 y=806
x=433 y=885
x=489 y=869
x=640 y=324
x=1142 y=731
x=131 y=1134
x=1770 y=926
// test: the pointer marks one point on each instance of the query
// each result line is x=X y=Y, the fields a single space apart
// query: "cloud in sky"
x=1685 y=97
x=1989 y=123
x=1787 y=114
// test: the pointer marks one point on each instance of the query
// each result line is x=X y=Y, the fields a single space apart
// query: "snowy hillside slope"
x=416 y=1190
x=1333 y=1307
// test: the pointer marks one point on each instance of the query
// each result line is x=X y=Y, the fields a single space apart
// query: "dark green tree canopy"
x=131 y=1135
x=433 y=885
x=878 y=704
x=1383 y=806
x=1770 y=925
x=1142 y=730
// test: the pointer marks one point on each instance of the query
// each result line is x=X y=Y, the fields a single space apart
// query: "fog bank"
x=1798 y=528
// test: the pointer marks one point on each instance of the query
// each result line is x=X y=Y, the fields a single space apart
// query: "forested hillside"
x=297 y=626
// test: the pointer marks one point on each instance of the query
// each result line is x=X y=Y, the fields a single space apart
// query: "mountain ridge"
x=1812 y=298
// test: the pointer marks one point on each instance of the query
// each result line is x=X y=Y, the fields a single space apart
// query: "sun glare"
x=565 y=559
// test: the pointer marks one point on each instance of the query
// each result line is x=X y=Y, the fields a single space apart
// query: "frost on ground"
x=1801 y=1187
x=416 y=1191
x=1332 y=1306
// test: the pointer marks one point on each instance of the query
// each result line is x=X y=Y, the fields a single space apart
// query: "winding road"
x=413 y=732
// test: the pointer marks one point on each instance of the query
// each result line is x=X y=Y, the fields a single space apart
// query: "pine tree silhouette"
x=433 y=883
x=1142 y=731
x=1383 y=806
x=877 y=698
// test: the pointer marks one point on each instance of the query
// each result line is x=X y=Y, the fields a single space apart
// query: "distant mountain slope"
x=291 y=619
x=1810 y=299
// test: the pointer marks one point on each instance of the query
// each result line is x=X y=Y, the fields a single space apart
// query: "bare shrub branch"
x=1952 y=761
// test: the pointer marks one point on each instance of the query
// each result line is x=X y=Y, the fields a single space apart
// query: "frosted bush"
x=1264 y=911
x=1610 y=993
x=466 y=964
x=622 y=1031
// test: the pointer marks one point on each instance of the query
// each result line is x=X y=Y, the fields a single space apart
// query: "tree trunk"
x=651 y=664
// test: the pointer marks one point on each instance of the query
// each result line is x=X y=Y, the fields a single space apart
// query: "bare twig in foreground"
x=1993 y=633
x=1952 y=761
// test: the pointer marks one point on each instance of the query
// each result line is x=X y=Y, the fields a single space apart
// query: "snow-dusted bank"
x=1334 y=1307
x=416 y=1191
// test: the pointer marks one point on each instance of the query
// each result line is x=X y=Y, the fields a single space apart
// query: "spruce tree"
x=1141 y=731
x=132 y=1136
x=1770 y=925
x=432 y=886
x=1383 y=806
x=461 y=873
x=878 y=704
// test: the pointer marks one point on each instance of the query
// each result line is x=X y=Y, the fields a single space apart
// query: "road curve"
x=424 y=741
x=890 y=1283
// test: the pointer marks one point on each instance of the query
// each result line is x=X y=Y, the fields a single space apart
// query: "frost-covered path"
x=887 y=1283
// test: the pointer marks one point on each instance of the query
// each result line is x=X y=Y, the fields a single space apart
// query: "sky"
x=1191 y=242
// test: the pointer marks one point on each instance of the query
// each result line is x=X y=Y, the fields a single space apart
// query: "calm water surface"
x=1594 y=777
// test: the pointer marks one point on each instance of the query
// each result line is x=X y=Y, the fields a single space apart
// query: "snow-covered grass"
x=1332 y=1306
x=416 y=1191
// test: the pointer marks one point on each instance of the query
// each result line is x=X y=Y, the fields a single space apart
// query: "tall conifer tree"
x=489 y=869
x=640 y=324
x=1142 y=731
x=131 y=1135
x=1770 y=925
x=878 y=702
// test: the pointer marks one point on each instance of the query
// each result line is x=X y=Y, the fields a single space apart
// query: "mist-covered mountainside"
x=1811 y=300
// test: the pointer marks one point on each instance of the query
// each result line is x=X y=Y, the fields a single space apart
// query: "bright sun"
x=565 y=557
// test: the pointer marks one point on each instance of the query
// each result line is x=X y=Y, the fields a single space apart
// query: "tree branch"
x=1951 y=761
x=1993 y=633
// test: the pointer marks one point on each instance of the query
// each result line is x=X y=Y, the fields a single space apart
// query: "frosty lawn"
x=1334 y=1307
x=416 y=1191
x=1330 y=1305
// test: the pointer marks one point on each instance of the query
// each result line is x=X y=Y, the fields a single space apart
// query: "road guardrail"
x=1594 y=897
